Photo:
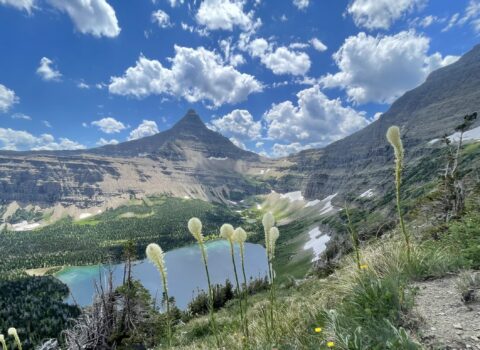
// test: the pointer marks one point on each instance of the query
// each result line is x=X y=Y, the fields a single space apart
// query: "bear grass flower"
x=227 y=231
x=393 y=137
x=13 y=333
x=2 y=341
x=240 y=236
x=195 y=228
x=156 y=255
x=274 y=234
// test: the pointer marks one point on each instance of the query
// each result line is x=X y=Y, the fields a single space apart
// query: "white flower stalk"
x=227 y=231
x=240 y=236
x=274 y=234
x=268 y=222
x=393 y=137
x=195 y=228
x=156 y=255
x=13 y=333
x=2 y=341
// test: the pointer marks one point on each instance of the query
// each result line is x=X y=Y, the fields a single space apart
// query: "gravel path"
x=446 y=323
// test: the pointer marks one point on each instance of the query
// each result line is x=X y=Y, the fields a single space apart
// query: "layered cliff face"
x=188 y=160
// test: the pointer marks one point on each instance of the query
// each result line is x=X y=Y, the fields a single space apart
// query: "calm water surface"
x=186 y=273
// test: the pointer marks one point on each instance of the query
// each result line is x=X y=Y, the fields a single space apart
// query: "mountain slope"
x=187 y=160
x=424 y=113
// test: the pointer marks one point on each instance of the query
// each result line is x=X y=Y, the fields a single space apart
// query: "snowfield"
x=25 y=226
x=218 y=158
x=293 y=196
x=367 y=194
x=317 y=242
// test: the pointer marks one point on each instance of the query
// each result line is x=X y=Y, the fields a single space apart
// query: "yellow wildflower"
x=363 y=266
x=318 y=329
x=330 y=344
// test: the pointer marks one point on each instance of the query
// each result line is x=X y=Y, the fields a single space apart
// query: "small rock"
x=457 y=326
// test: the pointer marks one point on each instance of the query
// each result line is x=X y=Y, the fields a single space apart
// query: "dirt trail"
x=446 y=322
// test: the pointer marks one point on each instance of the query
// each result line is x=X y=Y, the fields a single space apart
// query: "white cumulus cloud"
x=281 y=150
x=161 y=18
x=47 y=71
x=238 y=123
x=314 y=120
x=19 y=140
x=318 y=45
x=7 y=98
x=380 y=14
x=104 y=142
x=281 y=60
x=146 y=128
x=109 y=125
x=301 y=4
x=225 y=15
x=195 y=75
x=26 y=5
x=382 y=68
x=95 y=17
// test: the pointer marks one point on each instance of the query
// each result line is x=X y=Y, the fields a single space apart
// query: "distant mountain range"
x=190 y=160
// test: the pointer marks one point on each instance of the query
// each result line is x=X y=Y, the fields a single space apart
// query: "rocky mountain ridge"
x=192 y=161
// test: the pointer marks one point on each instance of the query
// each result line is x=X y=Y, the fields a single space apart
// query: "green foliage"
x=464 y=237
x=35 y=306
x=87 y=242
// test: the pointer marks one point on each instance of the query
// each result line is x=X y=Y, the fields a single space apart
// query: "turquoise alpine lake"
x=186 y=273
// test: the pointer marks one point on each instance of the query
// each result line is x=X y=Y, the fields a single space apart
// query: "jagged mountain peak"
x=190 y=120
x=189 y=132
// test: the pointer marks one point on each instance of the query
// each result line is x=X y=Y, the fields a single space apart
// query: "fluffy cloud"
x=238 y=123
x=95 y=17
x=109 y=125
x=380 y=14
x=103 y=142
x=18 y=140
x=238 y=143
x=380 y=69
x=315 y=120
x=301 y=4
x=318 y=45
x=46 y=70
x=281 y=60
x=195 y=74
x=146 y=128
x=161 y=18
x=224 y=14
x=26 y=5
x=279 y=150
x=7 y=98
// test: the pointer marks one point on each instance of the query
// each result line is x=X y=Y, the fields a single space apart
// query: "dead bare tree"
x=454 y=190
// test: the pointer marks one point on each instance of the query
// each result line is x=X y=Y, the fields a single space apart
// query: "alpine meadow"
x=239 y=174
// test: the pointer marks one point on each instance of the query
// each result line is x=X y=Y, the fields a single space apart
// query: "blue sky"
x=274 y=76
